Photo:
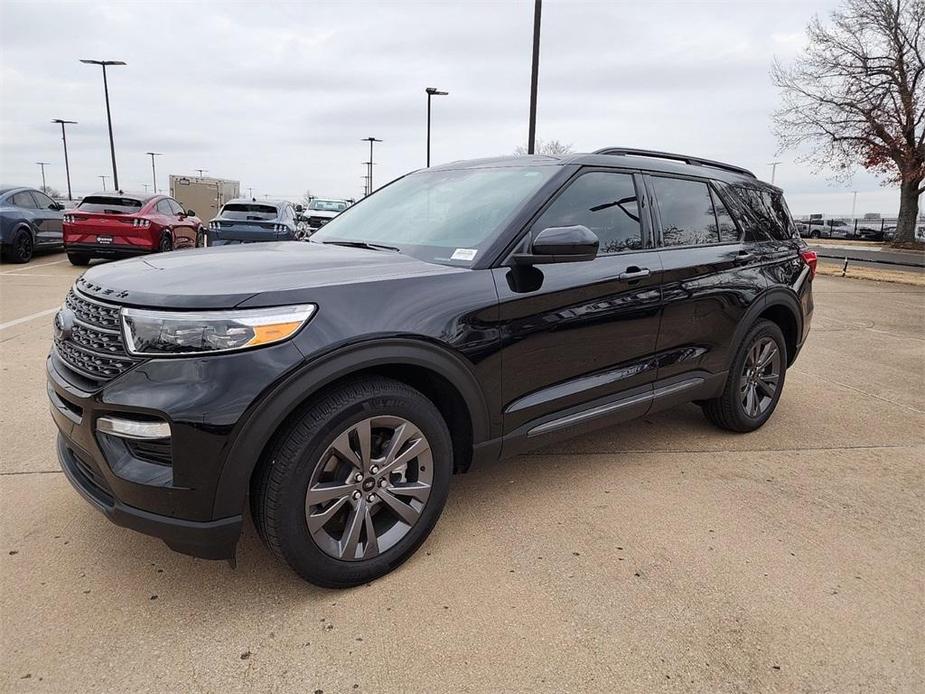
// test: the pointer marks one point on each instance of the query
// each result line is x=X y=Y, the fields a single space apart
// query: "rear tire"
x=308 y=458
x=166 y=243
x=755 y=381
x=78 y=259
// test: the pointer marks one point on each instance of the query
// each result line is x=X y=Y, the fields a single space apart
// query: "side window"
x=163 y=207
x=174 y=206
x=43 y=201
x=686 y=212
x=728 y=232
x=23 y=199
x=604 y=202
x=769 y=213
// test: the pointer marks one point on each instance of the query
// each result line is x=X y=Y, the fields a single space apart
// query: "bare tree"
x=857 y=97
x=553 y=148
x=307 y=198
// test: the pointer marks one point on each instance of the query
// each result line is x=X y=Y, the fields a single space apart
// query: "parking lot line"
x=31 y=316
x=32 y=267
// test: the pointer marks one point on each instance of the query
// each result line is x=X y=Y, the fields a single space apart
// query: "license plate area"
x=104 y=240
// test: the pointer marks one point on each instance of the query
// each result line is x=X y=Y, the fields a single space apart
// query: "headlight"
x=167 y=333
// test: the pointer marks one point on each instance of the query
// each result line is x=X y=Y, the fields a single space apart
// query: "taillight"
x=141 y=223
x=810 y=258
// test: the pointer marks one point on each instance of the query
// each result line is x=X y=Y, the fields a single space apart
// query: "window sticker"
x=464 y=254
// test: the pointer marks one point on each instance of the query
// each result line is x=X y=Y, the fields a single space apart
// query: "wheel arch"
x=780 y=306
x=439 y=374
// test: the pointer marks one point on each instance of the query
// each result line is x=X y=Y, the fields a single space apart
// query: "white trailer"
x=203 y=195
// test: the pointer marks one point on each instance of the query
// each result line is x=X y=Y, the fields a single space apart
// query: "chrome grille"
x=94 y=348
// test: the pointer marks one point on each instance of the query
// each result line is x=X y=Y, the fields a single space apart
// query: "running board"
x=611 y=407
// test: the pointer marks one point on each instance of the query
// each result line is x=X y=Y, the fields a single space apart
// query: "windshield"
x=328 y=205
x=109 y=205
x=443 y=216
x=248 y=212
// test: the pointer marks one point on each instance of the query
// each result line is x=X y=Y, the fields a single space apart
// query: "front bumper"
x=206 y=539
x=173 y=497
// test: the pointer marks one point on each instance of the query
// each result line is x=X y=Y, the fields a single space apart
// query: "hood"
x=266 y=274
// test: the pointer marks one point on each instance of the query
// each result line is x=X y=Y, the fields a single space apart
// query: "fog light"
x=132 y=429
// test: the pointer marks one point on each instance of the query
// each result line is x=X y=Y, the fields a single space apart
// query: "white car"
x=321 y=211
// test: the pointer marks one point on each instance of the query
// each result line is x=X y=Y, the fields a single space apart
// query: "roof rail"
x=687 y=159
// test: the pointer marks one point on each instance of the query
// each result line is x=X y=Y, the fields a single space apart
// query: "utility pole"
x=43 y=164
x=250 y=192
x=112 y=146
x=153 y=171
x=773 y=166
x=67 y=168
x=431 y=91
x=370 y=140
x=854 y=203
x=201 y=171
x=145 y=187
x=103 y=179
x=535 y=75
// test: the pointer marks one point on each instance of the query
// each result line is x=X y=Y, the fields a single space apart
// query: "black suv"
x=462 y=313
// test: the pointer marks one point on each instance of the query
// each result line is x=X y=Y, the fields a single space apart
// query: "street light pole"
x=773 y=166
x=103 y=179
x=43 y=164
x=201 y=171
x=370 y=140
x=854 y=203
x=153 y=171
x=534 y=75
x=112 y=145
x=431 y=91
x=67 y=168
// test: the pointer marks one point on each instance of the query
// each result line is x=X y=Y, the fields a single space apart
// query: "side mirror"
x=190 y=213
x=57 y=206
x=573 y=244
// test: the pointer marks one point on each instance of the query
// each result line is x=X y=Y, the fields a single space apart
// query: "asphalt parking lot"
x=658 y=555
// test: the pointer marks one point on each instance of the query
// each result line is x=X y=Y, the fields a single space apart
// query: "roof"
x=6 y=189
x=252 y=201
x=144 y=197
x=661 y=162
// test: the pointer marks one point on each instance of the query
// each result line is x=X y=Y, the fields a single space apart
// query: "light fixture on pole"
x=67 y=168
x=534 y=75
x=43 y=164
x=431 y=91
x=201 y=171
x=112 y=147
x=370 y=140
x=153 y=171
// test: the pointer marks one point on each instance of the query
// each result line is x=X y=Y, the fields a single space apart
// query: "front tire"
x=755 y=381
x=355 y=484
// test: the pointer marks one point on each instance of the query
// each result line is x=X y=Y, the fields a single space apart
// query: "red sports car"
x=119 y=225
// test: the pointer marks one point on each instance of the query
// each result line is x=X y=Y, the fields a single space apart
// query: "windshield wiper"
x=364 y=244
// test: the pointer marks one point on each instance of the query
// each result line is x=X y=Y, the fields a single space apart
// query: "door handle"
x=634 y=273
x=744 y=256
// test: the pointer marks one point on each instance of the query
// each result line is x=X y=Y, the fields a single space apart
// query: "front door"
x=48 y=219
x=578 y=336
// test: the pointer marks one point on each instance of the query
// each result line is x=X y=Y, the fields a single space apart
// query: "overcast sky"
x=279 y=95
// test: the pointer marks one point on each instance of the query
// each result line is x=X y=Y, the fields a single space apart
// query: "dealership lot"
x=663 y=554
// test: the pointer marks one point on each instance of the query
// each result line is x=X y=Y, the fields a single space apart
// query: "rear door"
x=711 y=276
x=30 y=212
x=184 y=228
x=577 y=337
x=50 y=229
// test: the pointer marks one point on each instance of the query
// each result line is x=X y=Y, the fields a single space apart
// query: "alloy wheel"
x=760 y=376
x=369 y=488
x=23 y=247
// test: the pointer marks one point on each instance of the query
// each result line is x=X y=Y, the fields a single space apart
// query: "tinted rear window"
x=249 y=212
x=108 y=205
x=767 y=213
